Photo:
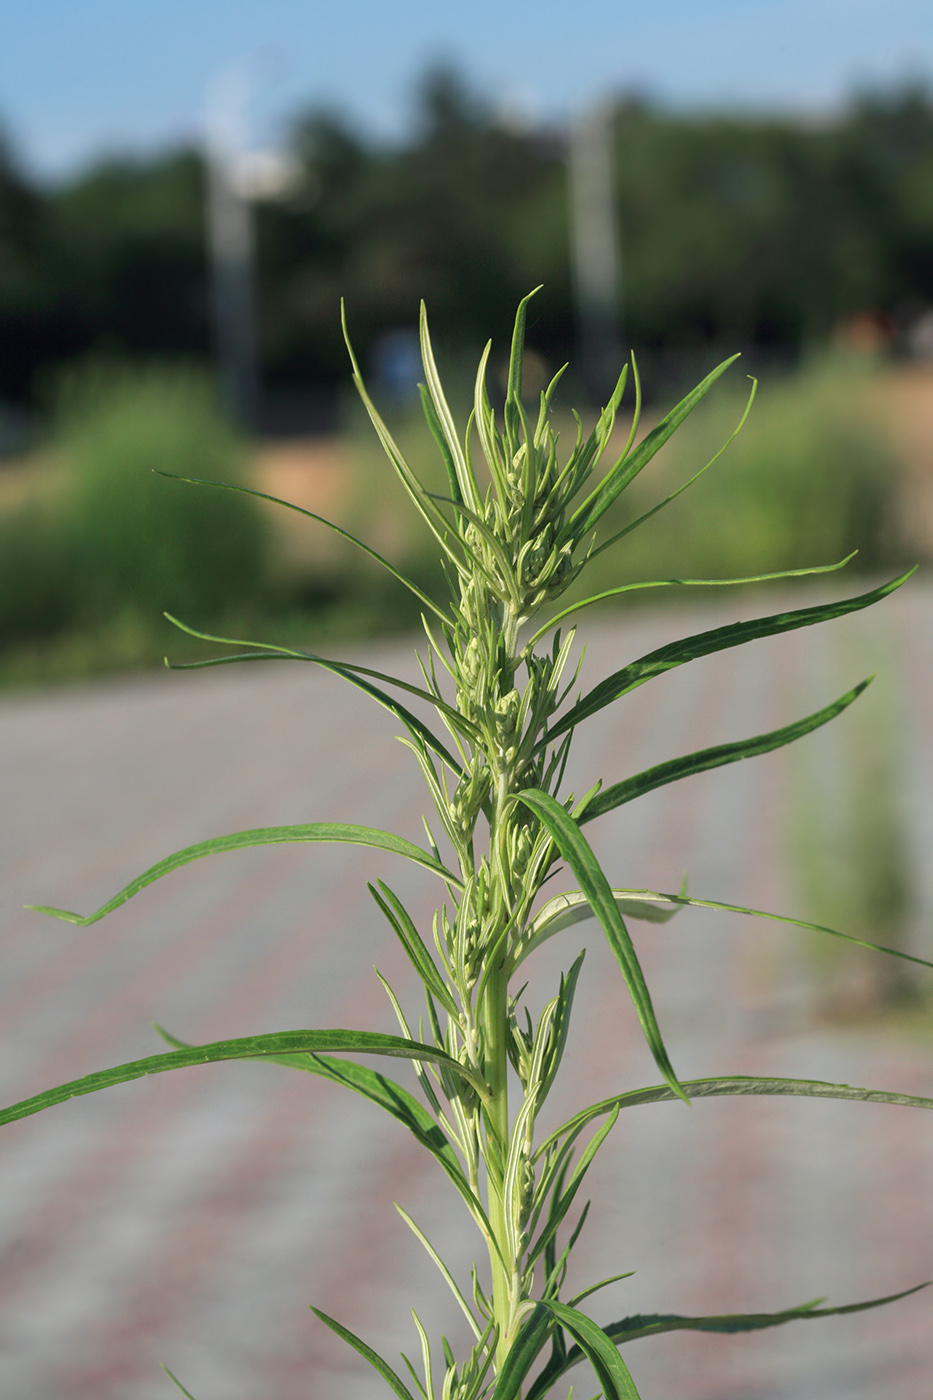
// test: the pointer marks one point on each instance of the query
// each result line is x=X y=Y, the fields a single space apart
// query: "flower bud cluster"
x=468 y=798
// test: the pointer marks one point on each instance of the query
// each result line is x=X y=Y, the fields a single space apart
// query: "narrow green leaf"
x=347 y=671
x=655 y=663
x=593 y=1342
x=633 y=525
x=380 y=1090
x=726 y=1086
x=578 y=855
x=531 y=1336
x=628 y=467
x=469 y=490
x=517 y=351
x=437 y=432
x=442 y=1268
x=565 y=910
x=486 y=425
x=595 y=1287
x=321 y=520
x=262 y=836
x=682 y=583
x=573 y=907
x=249 y=1047
x=560 y=1209
x=373 y=1357
x=630 y=1328
x=177 y=1383
x=400 y=921
x=700 y=762
x=434 y=519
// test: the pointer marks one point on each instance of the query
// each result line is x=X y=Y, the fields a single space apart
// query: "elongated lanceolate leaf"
x=573 y=907
x=373 y=1357
x=262 y=836
x=704 y=759
x=468 y=489
x=599 y=1349
x=401 y=922
x=564 y=910
x=617 y=592
x=251 y=1047
x=524 y=1351
x=628 y=467
x=577 y=853
x=177 y=1383
x=655 y=663
x=729 y=1085
x=388 y=1095
x=630 y=1328
x=321 y=520
x=347 y=671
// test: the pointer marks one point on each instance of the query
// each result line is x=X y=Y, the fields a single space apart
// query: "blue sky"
x=81 y=77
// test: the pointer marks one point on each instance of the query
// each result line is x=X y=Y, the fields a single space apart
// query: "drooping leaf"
x=373 y=1357
x=348 y=672
x=262 y=836
x=726 y=1086
x=572 y=908
x=630 y=1328
x=249 y=1047
x=655 y=663
x=579 y=856
x=607 y=799
x=376 y=1087
x=321 y=520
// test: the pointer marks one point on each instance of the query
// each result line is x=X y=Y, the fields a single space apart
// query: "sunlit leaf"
x=655 y=663
x=251 y=1047
x=577 y=853
x=607 y=799
x=261 y=836
x=373 y=1357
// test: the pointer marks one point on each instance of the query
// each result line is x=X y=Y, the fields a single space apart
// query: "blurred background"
x=187 y=191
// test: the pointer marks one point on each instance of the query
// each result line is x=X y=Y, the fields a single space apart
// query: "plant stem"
x=496 y=1026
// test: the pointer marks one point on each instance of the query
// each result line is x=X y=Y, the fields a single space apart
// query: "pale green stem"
x=496 y=1027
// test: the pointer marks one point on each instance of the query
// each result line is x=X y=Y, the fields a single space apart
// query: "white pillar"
x=230 y=234
x=595 y=247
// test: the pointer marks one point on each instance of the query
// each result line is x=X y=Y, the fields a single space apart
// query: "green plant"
x=494 y=677
x=125 y=540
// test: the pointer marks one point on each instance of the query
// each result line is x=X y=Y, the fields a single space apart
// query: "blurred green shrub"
x=813 y=475
x=116 y=538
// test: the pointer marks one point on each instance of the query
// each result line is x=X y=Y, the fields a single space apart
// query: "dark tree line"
x=735 y=230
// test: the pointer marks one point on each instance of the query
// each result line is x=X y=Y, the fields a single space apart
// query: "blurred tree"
x=737 y=230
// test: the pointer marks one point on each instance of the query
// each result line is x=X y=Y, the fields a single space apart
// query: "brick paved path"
x=190 y=1219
